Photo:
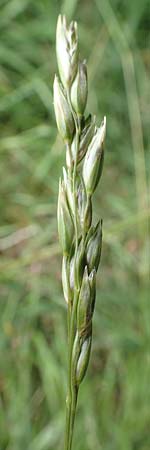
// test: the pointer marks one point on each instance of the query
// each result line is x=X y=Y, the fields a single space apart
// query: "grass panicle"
x=81 y=242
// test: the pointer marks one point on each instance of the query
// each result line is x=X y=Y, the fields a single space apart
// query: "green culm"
x=80 y=241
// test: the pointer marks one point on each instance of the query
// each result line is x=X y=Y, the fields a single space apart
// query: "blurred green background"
x=114 y=402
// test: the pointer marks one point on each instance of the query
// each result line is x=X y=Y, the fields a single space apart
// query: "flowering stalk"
x=80 y=241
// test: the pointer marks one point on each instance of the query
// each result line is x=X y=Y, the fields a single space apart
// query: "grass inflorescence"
x=80 y=240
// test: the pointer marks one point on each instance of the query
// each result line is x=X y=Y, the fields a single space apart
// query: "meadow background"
x=114 y=402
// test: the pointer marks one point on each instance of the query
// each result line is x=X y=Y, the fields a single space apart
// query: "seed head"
x=65 y=280
x=93 y=163
x=94 y=247
x=92 y=281
x=67 y=50
x=81 y=201
x=81 y=242
x=80 y=265
x=64 y=118
x=83 y=359
x=67 y=184
x=87 y=219
x=79 y=89
x=65 y=224
x=84 y=305
x=86 y=137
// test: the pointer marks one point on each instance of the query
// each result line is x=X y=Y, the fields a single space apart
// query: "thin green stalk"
x=73 y=391
x=72 y=417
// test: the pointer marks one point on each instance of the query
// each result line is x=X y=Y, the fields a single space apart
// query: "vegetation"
x=113 y=411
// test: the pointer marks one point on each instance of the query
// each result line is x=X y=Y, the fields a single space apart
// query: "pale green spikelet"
x=93 y=164
x=67 y=50
x=79 y=89
x=94 y=247
x=65 y=223
x=64 y=117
